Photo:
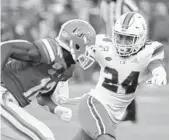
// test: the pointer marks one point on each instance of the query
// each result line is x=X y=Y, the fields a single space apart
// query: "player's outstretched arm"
x=66 y=100
x=159 y=76
x=156 y=64
x=75 y=100
x=64 y=113
x=61 y=94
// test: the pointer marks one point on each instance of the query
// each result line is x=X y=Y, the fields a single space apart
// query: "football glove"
x=64 y=113
x=61 y=93
x=159 y=77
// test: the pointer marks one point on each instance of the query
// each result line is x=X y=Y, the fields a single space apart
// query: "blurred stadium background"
x=36 y=19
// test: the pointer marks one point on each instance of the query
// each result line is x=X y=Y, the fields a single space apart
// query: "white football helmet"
x=130 y=32
x=75 y=36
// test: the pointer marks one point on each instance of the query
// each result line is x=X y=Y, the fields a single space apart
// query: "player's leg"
x=131 y=112
x=94 y=119
x=81 y=135
x=20 y=120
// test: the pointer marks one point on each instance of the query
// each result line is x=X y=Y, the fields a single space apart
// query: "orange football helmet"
x=75 y=36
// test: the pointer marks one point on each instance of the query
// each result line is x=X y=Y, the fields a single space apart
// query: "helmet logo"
x=78 y=32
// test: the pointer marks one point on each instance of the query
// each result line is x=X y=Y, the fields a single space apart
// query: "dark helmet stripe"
x=127 y=20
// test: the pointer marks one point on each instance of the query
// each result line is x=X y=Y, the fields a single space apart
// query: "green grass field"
x=152 y=114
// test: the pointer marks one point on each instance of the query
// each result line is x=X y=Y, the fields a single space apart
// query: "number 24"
x=129 y=84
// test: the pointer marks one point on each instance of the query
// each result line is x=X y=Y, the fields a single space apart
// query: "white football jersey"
x=119 y=77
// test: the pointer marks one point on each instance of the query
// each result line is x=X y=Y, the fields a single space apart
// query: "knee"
x=106 y=137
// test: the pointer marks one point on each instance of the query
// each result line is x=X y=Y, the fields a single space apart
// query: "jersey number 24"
x=129 y=84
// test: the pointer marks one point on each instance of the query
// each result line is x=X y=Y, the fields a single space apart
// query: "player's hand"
x=158 y=80
x=59 y=99
x=64 y=113
x=61 y=93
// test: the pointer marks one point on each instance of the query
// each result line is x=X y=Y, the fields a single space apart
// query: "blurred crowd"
x=37 y=19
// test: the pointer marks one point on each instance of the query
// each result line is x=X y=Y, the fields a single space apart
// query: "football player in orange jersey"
x=35 y=69
x=126 y=61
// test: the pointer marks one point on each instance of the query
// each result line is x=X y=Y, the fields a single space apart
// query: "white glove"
x=159 y=77
x=158 y=80
x=64 y=113
x=59 y=99
x=61 y=93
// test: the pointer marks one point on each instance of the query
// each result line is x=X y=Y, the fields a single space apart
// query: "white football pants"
x=20 y=120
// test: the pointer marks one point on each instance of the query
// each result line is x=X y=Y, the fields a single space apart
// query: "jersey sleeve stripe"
x=55 y=47
x=43 y=51
x=158 y=51
x=49 y=49
x=155 y=63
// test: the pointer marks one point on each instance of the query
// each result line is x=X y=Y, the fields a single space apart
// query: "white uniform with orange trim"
x=119 y=77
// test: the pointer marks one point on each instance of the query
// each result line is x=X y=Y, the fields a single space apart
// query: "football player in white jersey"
x=110 y=11
x=126 y=61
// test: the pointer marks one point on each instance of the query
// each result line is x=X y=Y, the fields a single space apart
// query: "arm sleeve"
x=154 y=64
x=157 y=58
x=20 y=50
x=48 y=48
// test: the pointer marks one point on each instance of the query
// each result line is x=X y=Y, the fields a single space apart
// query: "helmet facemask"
x=129 y=34
x=80 y=55
x=127 y=45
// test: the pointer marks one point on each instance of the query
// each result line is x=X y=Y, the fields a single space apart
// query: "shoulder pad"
x=48 y=49
x=155 y=46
